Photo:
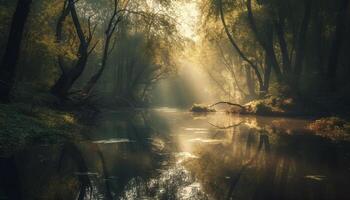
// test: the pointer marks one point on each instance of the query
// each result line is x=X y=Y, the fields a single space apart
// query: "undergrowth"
x=21 y=124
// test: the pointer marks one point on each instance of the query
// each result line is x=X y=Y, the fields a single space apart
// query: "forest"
x=167 y=77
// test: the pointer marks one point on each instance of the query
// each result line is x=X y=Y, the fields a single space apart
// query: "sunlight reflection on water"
x=112 y=141
x=172 y=154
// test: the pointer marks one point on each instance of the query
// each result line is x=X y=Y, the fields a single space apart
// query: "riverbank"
x=23 y=124
x=324 y=123
x=334 y=128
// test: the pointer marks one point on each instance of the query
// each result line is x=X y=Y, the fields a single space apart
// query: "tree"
x=337 y=43
x=301 y=45
x=69 y=76
x=11 y=55
x=239 y=51
x=113 y=22
x=266 y=43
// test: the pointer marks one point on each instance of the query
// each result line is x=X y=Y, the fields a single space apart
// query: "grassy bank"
x=21 y=124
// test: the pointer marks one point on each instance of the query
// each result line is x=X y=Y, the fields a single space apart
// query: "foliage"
x=197 y=108
x=141 y=42
x=22 y=124
x=331 y=127
x=297 y=46
x=271 y=105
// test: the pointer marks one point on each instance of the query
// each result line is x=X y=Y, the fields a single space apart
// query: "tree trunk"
x=250 y=84
x=11 y=55
x=336 y=44
x=267 y=75
x=239 y=51
x=110 y=30
x=280 y=23
x=93 y=80
x=300 y=50
x=67 y=78
x=266 y=43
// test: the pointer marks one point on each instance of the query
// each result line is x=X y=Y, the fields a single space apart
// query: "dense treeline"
x=74 y=50
x=297 y=48
x=117 y=49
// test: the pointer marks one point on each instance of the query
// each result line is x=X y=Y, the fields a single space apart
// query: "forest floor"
x=22 y=124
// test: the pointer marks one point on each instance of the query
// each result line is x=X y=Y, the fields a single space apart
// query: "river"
x=168 y=153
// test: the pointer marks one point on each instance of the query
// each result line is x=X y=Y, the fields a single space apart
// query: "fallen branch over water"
x=228 y=103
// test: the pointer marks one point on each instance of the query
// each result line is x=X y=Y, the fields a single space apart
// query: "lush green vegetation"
x=78 y=50
x=23 y=125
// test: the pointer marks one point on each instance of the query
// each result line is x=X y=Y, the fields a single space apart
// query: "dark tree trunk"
x=280 y=23
x=250 y=83
x=336 y=44
x=267 y=74
x=300 y=50
x=93 y=80
x=239 y=51
x=11 y=55
x=65 y=82
x=266 y=43
x=110 y=30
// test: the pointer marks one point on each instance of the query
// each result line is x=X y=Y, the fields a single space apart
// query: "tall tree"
x=337 y=43
x=113 y=22
x=69 y=76
x=301 y=44
x=239 y=51
x=11 y=55
x=265 y=42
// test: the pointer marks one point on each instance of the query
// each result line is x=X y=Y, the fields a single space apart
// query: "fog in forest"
x=174 y=99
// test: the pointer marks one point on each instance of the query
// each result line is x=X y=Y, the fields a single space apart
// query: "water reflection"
x=171 y=154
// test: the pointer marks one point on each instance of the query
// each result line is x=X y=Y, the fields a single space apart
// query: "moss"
x=270 y=106
x=262 y=108
x=21 y=124
x=197 y=108
x=330 y=124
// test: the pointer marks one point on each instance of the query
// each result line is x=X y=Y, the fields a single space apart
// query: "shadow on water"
x=9 y=180
x=265 y=163
x=171 y=154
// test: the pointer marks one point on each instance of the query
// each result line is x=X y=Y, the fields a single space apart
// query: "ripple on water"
x=196 y=129
x=208 y=141
x=113 y=140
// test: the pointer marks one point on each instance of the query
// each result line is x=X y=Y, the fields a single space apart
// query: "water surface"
x=172 y=154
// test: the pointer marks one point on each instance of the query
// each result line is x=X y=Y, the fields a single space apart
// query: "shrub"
x=201 y=108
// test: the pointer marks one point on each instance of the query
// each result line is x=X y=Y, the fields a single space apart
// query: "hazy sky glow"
x=188 y=13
